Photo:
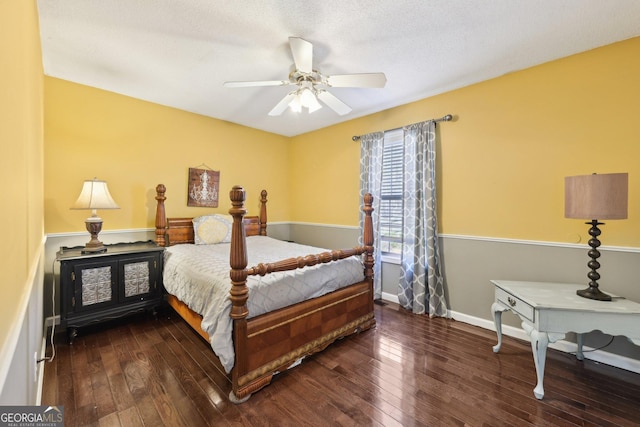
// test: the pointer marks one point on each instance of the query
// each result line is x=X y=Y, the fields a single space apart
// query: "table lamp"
x=595 y=197
x=94 y=195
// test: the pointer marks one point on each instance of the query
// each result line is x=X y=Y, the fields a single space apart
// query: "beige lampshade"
x=95 y=195
x=597 y=196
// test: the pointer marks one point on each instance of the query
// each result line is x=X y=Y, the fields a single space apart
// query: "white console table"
x=550 y=310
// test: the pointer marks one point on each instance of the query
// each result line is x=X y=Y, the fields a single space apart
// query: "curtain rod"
x=446 y=118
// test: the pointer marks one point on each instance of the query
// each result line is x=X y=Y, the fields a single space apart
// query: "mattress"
x=198 y=275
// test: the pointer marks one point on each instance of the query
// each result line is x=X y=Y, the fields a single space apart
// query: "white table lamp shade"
x=95 y=195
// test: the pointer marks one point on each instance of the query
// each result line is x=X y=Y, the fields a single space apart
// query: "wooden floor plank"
x=148 y=412
x=409 y=371
x=130 y=417
x=120 y=392
x=102 y=393
x=110 y=420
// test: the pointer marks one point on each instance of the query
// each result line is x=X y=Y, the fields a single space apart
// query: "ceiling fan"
x=310 y=85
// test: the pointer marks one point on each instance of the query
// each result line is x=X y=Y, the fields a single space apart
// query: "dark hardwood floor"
x=410 y=370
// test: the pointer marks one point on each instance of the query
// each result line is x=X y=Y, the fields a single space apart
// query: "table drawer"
x=515 y=304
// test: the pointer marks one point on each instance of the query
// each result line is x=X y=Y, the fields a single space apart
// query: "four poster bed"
x=254 y=333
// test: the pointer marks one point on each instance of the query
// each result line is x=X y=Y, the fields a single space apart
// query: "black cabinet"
x=125 y=279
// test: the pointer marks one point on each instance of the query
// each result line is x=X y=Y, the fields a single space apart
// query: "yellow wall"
x=503 y=161
x=135 y=145
x=21 y=158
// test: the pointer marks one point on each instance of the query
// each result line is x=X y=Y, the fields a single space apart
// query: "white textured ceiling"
x=178 y=53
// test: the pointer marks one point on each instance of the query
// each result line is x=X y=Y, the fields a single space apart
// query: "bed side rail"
x=304 y=261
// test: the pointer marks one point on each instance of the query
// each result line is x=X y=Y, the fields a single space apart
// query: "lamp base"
x=94 y=246
x=592 y=292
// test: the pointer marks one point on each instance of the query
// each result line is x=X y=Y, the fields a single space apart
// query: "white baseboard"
x=40 y=367
x=600 y=356
x=390 y=297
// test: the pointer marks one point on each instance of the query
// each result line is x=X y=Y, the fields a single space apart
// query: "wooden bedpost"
x=367 y=238
x=161 y=217
x=263 y=213
x=239 y=291
x=238 y=257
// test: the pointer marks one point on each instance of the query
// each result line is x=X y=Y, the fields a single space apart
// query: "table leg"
x=539 y=343
x=579 y=341
x=496 y=310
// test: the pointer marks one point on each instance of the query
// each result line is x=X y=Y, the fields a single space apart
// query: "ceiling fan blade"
x=334 y=103
x=283 y=104
x=357 y=80
x=302 y=52
x=257 y=83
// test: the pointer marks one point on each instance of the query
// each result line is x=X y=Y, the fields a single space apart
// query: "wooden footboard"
x=277 y=340
x=272 y=342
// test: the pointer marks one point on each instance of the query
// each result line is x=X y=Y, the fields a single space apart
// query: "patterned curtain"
x=371 y=146
x=421 y=287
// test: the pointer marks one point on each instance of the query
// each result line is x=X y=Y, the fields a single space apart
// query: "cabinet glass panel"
x=136 y=278
x=96 y=285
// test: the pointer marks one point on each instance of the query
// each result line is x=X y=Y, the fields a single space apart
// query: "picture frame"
x=203 y=188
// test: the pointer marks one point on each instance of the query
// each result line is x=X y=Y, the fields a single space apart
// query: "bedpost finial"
x=160 y=190
x=237 y=195
x=368 y=204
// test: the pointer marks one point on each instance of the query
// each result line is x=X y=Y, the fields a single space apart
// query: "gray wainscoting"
x=20 y=373
x=324 y=236
x=469 y=265
x=471 y=262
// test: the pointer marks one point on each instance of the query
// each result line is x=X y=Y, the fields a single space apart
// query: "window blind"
x=391 y=204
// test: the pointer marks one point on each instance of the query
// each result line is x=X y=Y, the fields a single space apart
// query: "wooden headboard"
x=175 y=231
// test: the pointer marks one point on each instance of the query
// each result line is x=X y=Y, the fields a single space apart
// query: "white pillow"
x=212 y=229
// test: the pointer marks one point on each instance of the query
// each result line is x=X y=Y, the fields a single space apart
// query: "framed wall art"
x=204 y=187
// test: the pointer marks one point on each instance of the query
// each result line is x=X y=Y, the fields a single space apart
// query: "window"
x=391 y=193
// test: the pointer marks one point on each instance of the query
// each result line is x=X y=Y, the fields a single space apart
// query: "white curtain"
x=421 y=287
x=371 y=146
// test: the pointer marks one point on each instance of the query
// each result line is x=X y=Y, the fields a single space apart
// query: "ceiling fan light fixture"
x=306 y=97
x=296 y=104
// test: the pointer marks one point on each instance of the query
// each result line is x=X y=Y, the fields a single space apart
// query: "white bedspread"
x=199 y=276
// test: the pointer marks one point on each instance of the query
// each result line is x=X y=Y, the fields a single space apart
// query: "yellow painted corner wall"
x=502 y=162
x=21 y=158
x=324 y=176
x=135 y=145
